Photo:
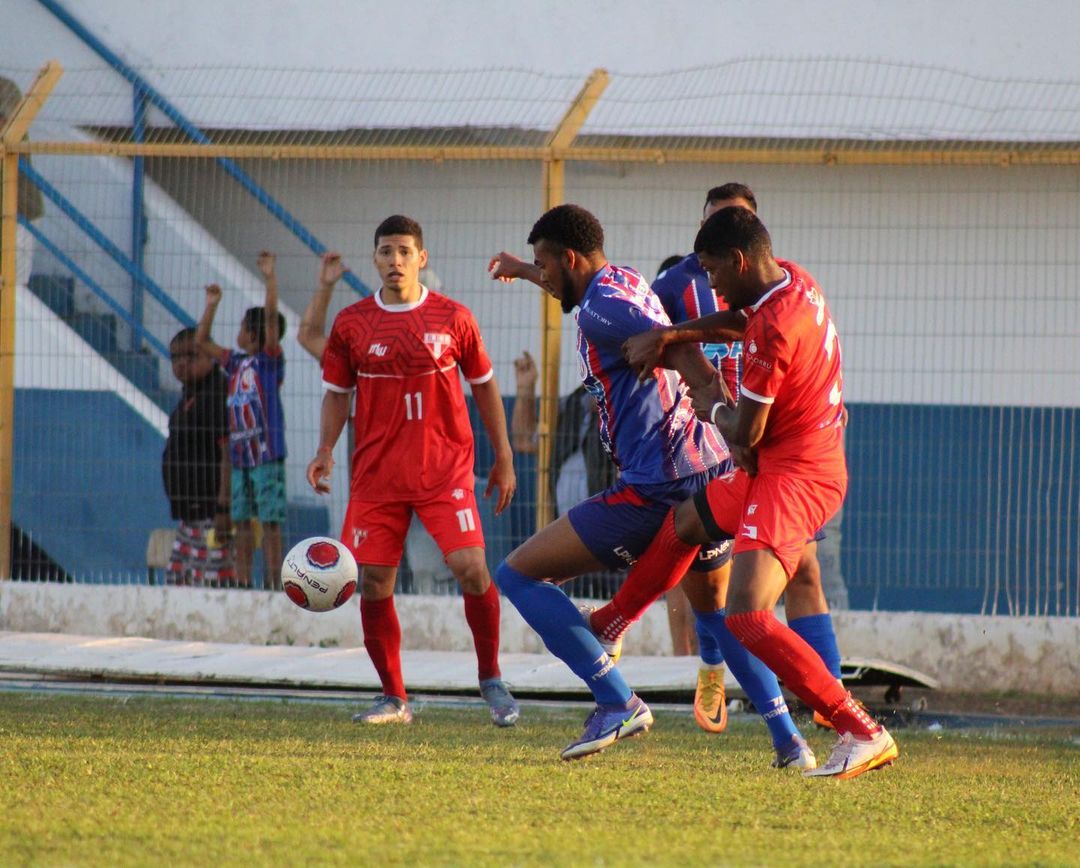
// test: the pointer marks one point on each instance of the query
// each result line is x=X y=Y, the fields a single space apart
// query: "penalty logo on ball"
x=319 y=574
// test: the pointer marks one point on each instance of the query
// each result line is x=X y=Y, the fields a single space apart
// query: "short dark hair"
x=399 y=224
x=185 y=334
x=733 y=228
x=255 y=322
x=731 y=190
x=571 y=227
x=671 y=261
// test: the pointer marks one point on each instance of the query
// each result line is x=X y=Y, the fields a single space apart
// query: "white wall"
x=964 y=652
x=948 y=285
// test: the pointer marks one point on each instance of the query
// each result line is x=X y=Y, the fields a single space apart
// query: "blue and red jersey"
x=649 y=429
x=685 y=293
x=256 y=417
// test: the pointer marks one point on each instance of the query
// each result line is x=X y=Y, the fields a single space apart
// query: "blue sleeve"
x=607 y=321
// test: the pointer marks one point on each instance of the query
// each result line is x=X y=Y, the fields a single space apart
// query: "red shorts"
x=774 y=512
x=375 y=532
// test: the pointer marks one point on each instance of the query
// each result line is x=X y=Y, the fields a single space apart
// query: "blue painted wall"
x=88 y=488
x=950 y=509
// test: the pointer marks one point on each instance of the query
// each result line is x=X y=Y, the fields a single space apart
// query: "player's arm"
x=507 y=267
x=649 y=350
x=267 y=262
x=332 y=419
x=742 y=426
x=206 y=325
x=523 y=416
x=493 y=416
x=312 y=333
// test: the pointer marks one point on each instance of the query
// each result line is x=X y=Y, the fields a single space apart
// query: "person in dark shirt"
x=196 y=469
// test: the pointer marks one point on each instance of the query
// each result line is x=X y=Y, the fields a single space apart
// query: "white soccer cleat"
x=852 y=756
x=612 y=649
x=386 y=709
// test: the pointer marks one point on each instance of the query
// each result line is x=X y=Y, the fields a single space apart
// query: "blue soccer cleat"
x=607 y=724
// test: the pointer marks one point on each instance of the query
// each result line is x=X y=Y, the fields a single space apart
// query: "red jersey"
x=791 y=359
x=413 y=437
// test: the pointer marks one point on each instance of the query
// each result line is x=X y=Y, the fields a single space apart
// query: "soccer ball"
x=319 y=574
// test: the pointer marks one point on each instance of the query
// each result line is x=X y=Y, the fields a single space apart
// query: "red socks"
x=800 y=668
x=382 y=639
x=657 y=571
x=482 y=615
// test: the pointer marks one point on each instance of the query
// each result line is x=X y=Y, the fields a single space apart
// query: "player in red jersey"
x=401 y=350
x=786 y=438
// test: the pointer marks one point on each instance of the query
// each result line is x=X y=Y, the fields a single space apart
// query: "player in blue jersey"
x=684 y=291
x=662 y=451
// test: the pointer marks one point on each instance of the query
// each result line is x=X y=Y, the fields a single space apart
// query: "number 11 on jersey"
x=414 y=406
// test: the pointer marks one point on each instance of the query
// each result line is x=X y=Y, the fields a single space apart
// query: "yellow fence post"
x=554 y=180
x=12 y=133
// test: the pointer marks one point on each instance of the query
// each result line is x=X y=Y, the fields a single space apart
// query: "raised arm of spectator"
x=206 y=325
x=523 y=416
x=267 y=263
x=312 y=334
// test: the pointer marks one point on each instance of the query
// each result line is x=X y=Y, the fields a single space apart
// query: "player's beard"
x=566 y=302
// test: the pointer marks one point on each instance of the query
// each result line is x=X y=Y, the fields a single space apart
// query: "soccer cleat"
x=385 y=709
x=607 y=724
x=852 y=756
x=504 y=709
x=613 y=649
x=710 y=706
x=797 y=755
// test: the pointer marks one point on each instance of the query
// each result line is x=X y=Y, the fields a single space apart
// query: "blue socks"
x=557 y=621
x=817 y=631
x=755 y=678
x=708 y=648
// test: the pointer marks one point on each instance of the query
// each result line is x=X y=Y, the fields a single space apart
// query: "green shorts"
x=259 y=492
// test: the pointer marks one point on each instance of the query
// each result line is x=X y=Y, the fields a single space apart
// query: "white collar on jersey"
x=405 y=306
x=777 y=288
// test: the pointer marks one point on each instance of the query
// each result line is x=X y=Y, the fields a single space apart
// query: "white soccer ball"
x=319 y=574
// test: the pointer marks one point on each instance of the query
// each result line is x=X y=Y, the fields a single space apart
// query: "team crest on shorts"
x=358 y=536
x=458 y=494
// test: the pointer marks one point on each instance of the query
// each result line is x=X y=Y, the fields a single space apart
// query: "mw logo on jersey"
x=378 y=350
x=437 y=342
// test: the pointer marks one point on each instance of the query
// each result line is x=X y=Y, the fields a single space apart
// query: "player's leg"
x=527 y=577
x=785 y=513
x=375 y=534
x=708 y=595
x=808 y=613
x=680 y=619
x=454 y=524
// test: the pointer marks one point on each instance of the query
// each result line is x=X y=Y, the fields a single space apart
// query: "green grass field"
x=106 y=781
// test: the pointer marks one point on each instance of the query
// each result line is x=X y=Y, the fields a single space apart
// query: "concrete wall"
x=964 y=652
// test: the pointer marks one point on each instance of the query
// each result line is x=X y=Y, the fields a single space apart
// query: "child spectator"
x=196 y=470
x=256 y=424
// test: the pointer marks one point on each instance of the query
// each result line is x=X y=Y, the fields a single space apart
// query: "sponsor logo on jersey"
x=378 y=350
x=437 y=342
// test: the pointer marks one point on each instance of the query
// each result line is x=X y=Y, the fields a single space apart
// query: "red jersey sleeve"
x=766 y=358
x=337 y=369
x=473 y=358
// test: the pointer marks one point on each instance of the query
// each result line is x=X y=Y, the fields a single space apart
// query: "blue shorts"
x=618 y=524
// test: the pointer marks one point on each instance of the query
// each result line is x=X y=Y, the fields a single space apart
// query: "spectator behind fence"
x=580 y=466
x=196 y=469
x=256 y=424
x=30 y=203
